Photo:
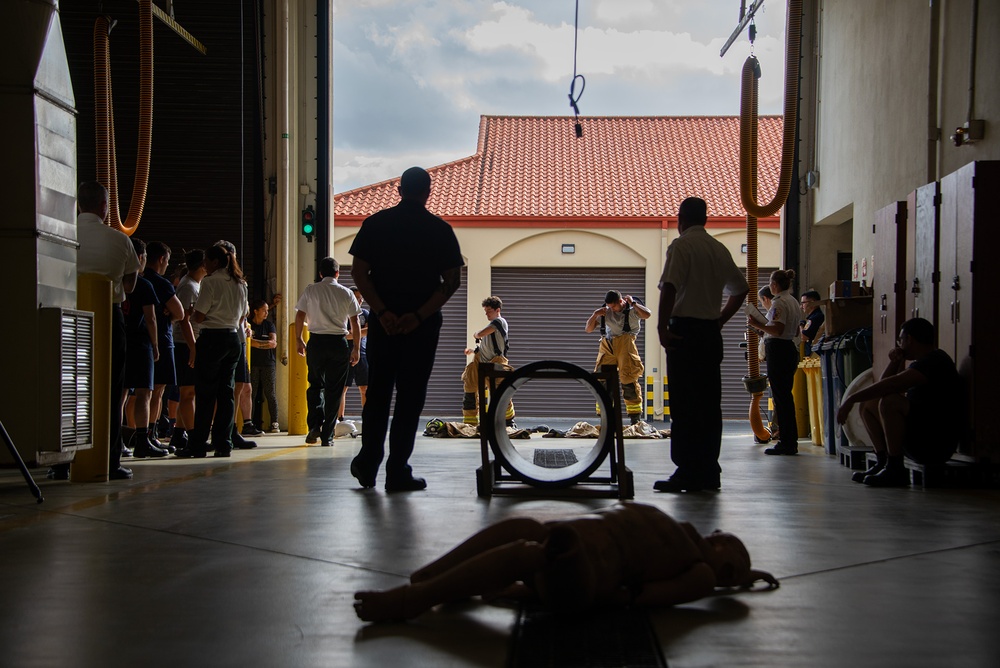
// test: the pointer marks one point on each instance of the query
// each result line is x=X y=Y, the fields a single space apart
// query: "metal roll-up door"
x=547 y=310
x=735 y=400
x=444 y=391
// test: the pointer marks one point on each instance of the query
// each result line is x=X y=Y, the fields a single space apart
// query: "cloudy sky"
x=412 y=77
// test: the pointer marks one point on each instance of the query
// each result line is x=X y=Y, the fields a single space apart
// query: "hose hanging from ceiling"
x=754 y=382
x=107 y=173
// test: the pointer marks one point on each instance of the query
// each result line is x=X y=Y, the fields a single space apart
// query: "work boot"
x=859 y=476
x=241 y=443
x=893 y=475
x=151 y=430
x=142 y=447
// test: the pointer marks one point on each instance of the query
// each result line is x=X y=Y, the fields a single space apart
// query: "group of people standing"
x=186 y=339
x=406 y=265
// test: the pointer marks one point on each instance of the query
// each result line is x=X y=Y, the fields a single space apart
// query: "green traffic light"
x=307 y=228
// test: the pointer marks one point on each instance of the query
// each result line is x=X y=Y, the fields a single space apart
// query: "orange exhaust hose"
x=107 y=172
x=748 y=183
x=748 y=120
x=760 y=430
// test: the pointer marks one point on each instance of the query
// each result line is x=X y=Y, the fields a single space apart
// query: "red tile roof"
x=622 y=167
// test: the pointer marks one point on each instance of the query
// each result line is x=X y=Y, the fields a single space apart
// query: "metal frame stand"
x=20 y=464
x=495 y=478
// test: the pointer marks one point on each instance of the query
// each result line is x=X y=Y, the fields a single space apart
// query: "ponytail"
x=226 y=259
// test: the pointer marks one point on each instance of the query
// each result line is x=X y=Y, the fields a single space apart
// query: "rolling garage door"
x=444 y=393
x=547 y=310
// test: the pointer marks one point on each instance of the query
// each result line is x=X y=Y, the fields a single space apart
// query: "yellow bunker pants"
x=621 y=352
x=470 y=382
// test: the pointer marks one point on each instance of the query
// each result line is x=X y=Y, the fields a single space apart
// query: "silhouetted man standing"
x=407 y=264
x=698 y=269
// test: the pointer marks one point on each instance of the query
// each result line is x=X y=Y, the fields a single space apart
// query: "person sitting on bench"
x=907 y=412
x=626 y=554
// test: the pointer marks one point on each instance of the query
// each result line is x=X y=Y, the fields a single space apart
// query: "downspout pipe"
x=323 y=199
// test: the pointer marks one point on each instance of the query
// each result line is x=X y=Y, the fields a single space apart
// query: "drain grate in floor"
x=599 y=639
x=554 y=458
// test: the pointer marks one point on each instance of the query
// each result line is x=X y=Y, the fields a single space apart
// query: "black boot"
x=179 y=438
x=142 y=447
x=893 y=475
x=859 y=476
x=151 y=430
x=241 y=443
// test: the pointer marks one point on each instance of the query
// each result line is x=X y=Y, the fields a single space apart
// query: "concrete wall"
x=886 y=82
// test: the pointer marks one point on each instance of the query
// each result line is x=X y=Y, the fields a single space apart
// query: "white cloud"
x=413 y=76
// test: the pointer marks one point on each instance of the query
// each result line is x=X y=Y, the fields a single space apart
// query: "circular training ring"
x=508 y=455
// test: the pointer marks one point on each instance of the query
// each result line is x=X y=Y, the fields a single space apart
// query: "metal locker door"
x=887 y=283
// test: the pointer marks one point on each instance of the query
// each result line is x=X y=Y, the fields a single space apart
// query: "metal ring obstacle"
x=512 y=460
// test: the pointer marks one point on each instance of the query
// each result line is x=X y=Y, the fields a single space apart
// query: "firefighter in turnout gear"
x=619 y=321
x=491 y=347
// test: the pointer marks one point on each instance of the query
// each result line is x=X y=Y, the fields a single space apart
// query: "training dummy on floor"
x=626 y=554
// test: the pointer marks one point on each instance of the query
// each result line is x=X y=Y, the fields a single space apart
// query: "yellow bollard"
x=239 y=418
x=800 y=397
x=298 y=374
x=93 y=293
x=814 y=389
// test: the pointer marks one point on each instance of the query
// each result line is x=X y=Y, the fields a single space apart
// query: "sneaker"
x=250 y=429
x=312 y=437
x=275 y=428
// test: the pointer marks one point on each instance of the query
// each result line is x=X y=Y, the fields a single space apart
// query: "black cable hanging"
x=574 y=98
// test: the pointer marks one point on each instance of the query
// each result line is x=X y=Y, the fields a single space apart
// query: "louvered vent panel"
x=68 y=354
x=77 y=377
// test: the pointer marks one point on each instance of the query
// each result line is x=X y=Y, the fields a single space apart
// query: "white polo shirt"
x=327 y=306
x=701 y=268
x=105 y=251
x=222 y=300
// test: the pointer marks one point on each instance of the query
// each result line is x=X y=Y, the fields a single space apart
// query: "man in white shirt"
x=698 y=270
x=327 y=306
x=110 y=253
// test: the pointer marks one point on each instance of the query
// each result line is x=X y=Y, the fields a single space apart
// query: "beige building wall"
x=886 y=82
x=486 y=248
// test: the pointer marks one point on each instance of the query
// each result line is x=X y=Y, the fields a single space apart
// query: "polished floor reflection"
x=253 y=561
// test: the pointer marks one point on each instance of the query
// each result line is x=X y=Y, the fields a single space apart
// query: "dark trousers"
x=782 y=362
x=328 y=357
x=402 y=363
x=118 y=355
x=216 y=356
x=262 y=382
x=694 y=374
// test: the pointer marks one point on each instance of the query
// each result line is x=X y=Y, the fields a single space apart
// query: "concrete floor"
x=253 y=561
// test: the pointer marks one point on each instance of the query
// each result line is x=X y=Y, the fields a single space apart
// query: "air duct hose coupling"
x=755 y=385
